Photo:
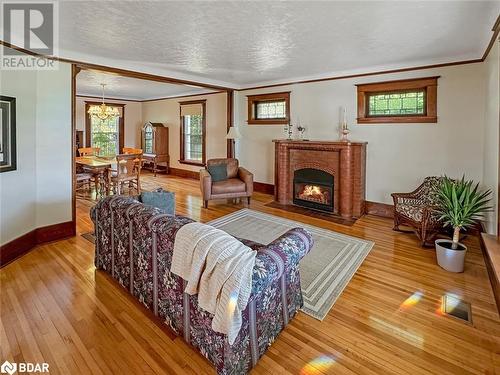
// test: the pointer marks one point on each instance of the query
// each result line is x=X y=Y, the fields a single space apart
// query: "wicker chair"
x=418 y=210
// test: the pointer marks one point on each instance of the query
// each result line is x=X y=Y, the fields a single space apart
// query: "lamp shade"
x=233 y=133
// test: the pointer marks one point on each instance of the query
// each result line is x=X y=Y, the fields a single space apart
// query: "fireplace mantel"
x=346 y=161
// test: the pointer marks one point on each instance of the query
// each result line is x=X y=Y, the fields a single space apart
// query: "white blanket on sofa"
x=219 y=268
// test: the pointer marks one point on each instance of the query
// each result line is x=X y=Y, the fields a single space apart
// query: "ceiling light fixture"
x=103 y=111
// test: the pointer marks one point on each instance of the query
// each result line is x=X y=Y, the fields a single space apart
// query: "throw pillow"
x=218 y=172
x=164 y=200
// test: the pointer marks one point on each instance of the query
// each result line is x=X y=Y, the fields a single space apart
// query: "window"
x=269 y=109
x=409 y=100
x=105 y=134
x=193 y=132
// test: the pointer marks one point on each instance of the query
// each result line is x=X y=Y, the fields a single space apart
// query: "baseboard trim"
x=25 y=243
x=379 y=209
x=262 y=187
x=184 y=173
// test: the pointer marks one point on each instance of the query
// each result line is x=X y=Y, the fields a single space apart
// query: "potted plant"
x=460 y=205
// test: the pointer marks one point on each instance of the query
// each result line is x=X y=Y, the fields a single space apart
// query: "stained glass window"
x=270 y=110
x=397 y=103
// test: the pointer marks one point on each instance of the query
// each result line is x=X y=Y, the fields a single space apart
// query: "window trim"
x=182 y=159
x=428 y=84
x=275 y=96
x=121 y=123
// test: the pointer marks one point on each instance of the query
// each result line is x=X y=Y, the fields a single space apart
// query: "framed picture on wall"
x=7 y=133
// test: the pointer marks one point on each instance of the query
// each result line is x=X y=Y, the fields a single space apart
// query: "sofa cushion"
x=231 y=185
x=164 y=200
x=218 y=172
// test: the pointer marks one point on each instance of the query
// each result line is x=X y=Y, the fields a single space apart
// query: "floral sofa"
x=134 y=244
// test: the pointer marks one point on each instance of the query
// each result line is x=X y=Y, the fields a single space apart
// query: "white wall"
x=168 y=111
x=491 y=136
x=18 y=188
x=132 y=124
x=38 y=192
x=399 y=156
x=53 y=146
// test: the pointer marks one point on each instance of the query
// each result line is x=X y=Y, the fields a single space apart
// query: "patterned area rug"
x=324 y=272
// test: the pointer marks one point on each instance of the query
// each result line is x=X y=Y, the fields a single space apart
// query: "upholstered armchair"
x=239 y=182
x=418 y=210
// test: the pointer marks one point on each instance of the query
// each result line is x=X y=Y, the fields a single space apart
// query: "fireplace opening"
x=313 y=188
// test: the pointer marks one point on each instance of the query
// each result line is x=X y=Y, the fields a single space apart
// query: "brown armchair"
x=418 y=210
x=239 y=182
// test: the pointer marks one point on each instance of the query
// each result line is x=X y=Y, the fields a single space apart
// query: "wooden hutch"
x=155 y=146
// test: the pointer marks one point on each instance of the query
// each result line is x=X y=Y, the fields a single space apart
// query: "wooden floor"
x=55 y=308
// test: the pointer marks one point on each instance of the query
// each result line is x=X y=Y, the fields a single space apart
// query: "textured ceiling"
x=88 y=82
x=239 y=44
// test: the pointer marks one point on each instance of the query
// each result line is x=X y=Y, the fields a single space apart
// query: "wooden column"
x=229 y=116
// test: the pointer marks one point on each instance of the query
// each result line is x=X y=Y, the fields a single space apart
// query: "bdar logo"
x=8 y=368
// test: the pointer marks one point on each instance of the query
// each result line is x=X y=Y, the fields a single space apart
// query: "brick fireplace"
x=326 y=176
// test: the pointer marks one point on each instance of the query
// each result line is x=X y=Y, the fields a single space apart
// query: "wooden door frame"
x=121 y=123
x=77 y=66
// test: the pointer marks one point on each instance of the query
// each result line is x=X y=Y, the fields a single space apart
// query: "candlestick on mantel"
x=344 y=129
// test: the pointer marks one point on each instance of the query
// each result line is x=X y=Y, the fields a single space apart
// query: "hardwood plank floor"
x=55 y=308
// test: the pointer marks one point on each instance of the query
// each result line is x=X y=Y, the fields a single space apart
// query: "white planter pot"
x=449 y=259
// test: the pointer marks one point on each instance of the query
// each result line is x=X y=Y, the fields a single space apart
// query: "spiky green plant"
x=461 y=204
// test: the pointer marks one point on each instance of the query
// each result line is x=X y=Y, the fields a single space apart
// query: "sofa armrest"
x=205 y=184
x=277 y=257
x=247 y=177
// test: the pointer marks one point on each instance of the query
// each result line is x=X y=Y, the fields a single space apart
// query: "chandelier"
x=103 y=111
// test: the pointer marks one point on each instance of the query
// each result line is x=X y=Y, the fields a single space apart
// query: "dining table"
x=100 y=167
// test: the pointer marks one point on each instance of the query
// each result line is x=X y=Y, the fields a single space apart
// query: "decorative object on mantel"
x=7 y=134
x=301 y=130
x=103 y=112
x=344 y=129
x=461 y=205
x=288 y=129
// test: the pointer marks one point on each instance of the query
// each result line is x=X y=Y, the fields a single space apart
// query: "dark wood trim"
x=118 y=71
x=187 y=102
x=496 y=31
x=262 y=187
x=108 y=98
x=229 y=119
x=490 y=246
x=74 y=72
x=429 y=84
x=252 y=100
x=121 y=123
x=379 y=209
x=182 y=160
x=191 y=162
x=184 y=173
x=23 y=244
x=182 y=96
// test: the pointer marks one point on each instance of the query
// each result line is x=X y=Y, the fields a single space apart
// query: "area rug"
x=324 y=272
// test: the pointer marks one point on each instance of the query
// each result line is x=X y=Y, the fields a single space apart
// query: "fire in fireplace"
x=313 y=188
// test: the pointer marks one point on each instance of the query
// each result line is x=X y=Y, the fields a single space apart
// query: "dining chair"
x=89 y=151
x=128 y=169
